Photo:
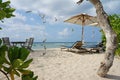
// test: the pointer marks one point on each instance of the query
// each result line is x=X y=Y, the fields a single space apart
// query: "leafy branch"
x=13 y=61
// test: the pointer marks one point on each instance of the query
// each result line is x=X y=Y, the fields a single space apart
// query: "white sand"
x=62 y=65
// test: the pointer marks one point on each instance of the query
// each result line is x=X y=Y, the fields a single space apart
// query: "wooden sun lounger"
x=76 y=47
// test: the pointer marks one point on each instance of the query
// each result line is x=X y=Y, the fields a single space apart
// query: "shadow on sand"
x=114 y=77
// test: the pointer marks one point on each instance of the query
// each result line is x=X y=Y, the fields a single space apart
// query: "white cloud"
x=32 y=19
x=47 y=7
x=112 y=6
x=24 y=25
x=62 y=9
x=20 y=31
x=65 y=32
x=19 y=16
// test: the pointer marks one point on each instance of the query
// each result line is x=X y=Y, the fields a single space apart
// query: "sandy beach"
x=63 y=65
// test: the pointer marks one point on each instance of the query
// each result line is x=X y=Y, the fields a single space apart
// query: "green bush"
x=115 y=23
x=13 y=61
x=117 y=52
x=6 y=11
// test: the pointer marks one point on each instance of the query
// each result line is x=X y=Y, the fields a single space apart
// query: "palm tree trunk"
x=111 y=42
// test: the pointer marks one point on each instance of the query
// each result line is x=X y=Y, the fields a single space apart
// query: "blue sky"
x=46 y=20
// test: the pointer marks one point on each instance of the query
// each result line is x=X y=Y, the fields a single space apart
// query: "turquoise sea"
x=41 y=45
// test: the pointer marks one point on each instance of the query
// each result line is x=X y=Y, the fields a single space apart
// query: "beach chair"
x=28 y=44
x=76 y=45
x=97 y=48
x=6 y=41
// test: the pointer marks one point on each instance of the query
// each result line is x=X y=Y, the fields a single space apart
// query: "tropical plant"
x=13 y=61
x=115 y=23
x=29 y=76
x=5 y=10
x=117 y=52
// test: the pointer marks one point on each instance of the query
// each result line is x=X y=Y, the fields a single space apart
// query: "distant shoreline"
x=63 y=42
x=41 y=45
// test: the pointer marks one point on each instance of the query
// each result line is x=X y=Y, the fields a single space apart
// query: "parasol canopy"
x=82 y=19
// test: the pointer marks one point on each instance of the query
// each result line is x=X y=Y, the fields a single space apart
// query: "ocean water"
x=41 y=45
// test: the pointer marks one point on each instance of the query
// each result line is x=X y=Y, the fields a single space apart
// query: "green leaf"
x=13 y=53
x=6 y=69
x=0 y=40
x=2 y=59
x=3 y=48
x=26 y=64
x=6 y=4
x=17 y=63
x=0 y=1
x=24 y=53
x=2 y=54
x=24 y=71
x=0 y=66
x=9 y=10
x=16 y=72
x=5 y=10
x=2 y=14
x=35 y=78
x=9 y=15
x=29 y=76
x=16 y=52
x=26 y=78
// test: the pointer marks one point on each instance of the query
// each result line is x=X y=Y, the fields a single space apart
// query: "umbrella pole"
x=82 y=33
x=82 y=36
